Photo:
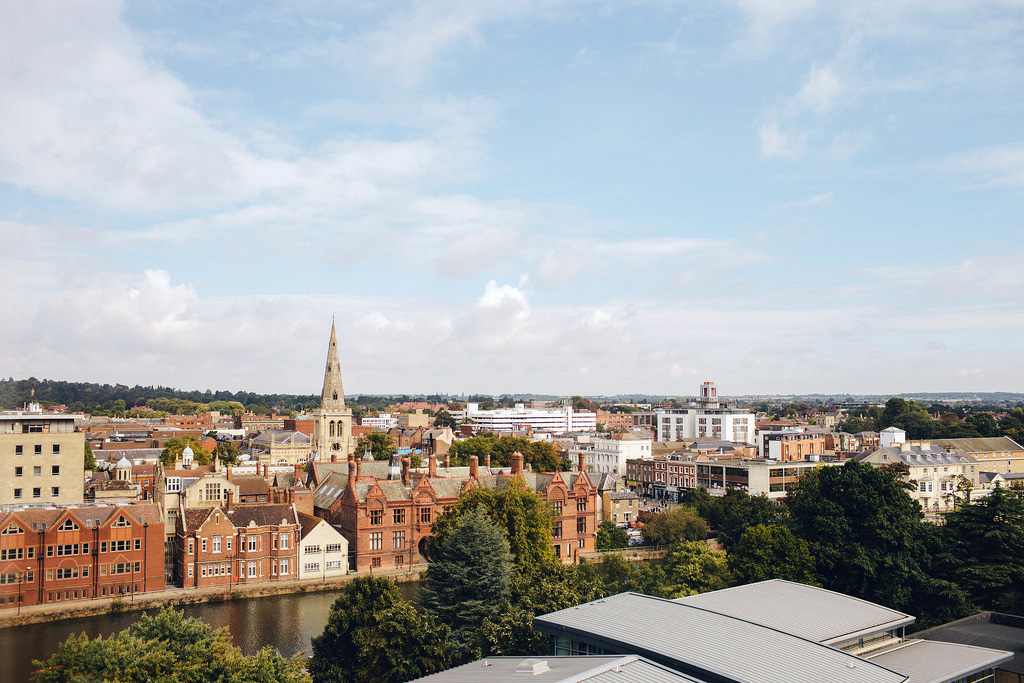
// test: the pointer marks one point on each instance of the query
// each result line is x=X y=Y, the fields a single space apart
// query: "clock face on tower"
x=336 y=446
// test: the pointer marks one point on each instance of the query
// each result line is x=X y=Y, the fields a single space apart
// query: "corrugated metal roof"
x=588 y=669
x=817 y=614
x=989 y=444
x=704 y=643
x=932 y=661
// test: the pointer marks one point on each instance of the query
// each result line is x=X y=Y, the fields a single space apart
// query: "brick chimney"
x=359 y=467
x=581 y=463
x=517 y=463
x=405 y=471
x=227 y=470
x=298 y=472
x=447 y=461
x=473 y=465
x=231 y=499
x=487 y=462
x=266 y=468
x=432 y=466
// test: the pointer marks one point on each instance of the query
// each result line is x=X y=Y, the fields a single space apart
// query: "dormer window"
x=121 y=522
x=68 y=525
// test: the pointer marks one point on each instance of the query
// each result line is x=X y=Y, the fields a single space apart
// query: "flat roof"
x=589 y=668
x=708 y=645
x=817 y=614
x=933 y=661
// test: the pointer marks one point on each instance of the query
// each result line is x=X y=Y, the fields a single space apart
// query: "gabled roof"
x=991 y=444
x=251 y=485
x=262 y=514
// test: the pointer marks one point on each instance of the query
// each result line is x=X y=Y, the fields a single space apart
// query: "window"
x=581 y=505
x=17 y=493
x=216 y=543
x=283 y=567
x=398 y=540
x=311 y=567
x=252 y=568
x=334 y=547
x=253 y=542
x=425 y=515
x=376 y=517
x=399 y=560
x=11 y=530
x=55 y=470
x=558 y=507
x=556 y=530
x=376 y=540
x=581 y=525
x=19 y=449
x=12 y=554
x=374 y=562
x=68 y=525
x=37 y=492
x=173 y=484
x=311 y=550
x=204 y=545
x=54 y=491
x=229 y=543
x=191 y=545
x=334 y=564
x=284 y=541
x=18 y=471
x=399 y=515
x=121 y=522
x=37 y=449
x=212 y=491
x=56 y=449
x=37 y=471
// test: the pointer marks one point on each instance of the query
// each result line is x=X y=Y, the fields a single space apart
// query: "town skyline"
x=585 y=198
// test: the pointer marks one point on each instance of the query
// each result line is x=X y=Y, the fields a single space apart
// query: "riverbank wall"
x=156 y=600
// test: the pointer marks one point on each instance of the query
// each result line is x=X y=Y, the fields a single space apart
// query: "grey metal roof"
x=703 y=643
x=591 y=668
x=932 y=661
x=989 y=444
x=817 y=614
x=985 y=629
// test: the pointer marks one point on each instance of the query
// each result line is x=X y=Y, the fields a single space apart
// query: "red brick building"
x=236 y=544
x=77 y=552
x=662 y=477
x=385 y=511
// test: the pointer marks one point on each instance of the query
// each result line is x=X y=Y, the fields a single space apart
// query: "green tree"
x=90 y=459
x=746 y=511
x=864 y=532
x=676 y=524
x=610 y=535
x=635 y=576
x=694 y=567
x=373 y=635
x=381 y=445
x=519 y=512
x=164 y=648
x=442 y=418
x=174 y=447
x=771 y=552
x=469 y=576
x=985 y=550
x=227 y=452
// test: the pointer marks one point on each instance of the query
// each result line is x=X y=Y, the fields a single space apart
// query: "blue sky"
x=784 y=196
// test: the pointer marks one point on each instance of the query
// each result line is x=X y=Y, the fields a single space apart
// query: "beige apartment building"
x=41 y=459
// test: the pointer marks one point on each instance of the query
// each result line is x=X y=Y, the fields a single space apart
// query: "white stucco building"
x=608 y=456
x=323 y=551
x=707 y=418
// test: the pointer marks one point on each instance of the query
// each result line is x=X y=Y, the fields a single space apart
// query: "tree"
x=469 y=576
x=381 y=445
x=442 y=418
x=610 y=535
x=744 y=511
x=174 y=447
x=164 y=648
x=673 y=525
x=771 y=552
x=519 y=512
x=227 y=452
x=90 y=459
x=372 y=634
x=692 y=567
x=984 y=542
x=864 y=532
x=623 y=575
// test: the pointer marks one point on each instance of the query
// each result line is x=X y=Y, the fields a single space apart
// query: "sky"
x=567 y=197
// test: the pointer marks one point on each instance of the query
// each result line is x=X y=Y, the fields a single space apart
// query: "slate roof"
x=992 y=444
x=263 y=514
x=100 y=514
x=916 y=456
x=251 y=485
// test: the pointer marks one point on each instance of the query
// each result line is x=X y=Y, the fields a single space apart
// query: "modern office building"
x=41 y=459
x=707 y=418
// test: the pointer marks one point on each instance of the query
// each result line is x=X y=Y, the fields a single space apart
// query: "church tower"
x=332 y=431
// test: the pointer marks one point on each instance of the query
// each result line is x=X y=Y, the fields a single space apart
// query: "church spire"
x=333 y=396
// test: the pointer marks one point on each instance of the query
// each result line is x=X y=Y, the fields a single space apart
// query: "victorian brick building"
x=76 y=552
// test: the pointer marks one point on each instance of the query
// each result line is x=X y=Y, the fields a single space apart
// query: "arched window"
x=335 y=395
x=332 y=427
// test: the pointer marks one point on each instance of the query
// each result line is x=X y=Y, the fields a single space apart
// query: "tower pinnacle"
x=333 y=396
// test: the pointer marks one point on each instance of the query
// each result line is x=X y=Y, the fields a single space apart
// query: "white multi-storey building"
x=560 y=420
x=608 y=456
x=382 y=422
x=708 y=418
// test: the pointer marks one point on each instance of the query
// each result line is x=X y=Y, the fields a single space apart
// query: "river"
x=286 y=622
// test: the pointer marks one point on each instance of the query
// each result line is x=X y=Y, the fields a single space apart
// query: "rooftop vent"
x=532 y=667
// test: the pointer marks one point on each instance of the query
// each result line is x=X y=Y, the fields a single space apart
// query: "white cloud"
x=779 y=144
x=999 y=165
x=820 y=92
